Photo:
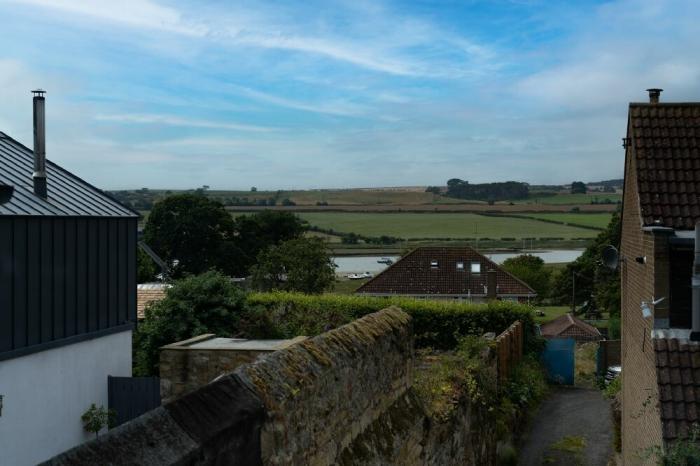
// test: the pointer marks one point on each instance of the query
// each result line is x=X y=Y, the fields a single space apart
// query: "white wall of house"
x=45 y=393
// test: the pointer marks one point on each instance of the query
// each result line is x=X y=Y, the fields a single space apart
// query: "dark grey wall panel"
x=64 y=277
x=6 y=284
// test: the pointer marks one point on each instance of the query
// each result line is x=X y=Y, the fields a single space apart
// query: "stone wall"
x=343 y=397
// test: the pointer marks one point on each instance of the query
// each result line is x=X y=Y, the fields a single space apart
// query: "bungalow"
x=448 y=273
x=67 y=299
x=661 y=209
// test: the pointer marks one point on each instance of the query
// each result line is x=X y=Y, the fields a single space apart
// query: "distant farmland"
x=441 y=225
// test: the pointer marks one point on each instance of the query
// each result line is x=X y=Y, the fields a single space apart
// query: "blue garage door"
x=559 y=360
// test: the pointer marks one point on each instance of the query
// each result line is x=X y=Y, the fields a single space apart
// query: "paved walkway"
x=572 y=427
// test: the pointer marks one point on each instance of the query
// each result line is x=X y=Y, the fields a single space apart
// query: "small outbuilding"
x=569 y=326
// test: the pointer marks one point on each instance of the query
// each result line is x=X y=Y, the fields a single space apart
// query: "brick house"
x=448 y=273
x=661 y=367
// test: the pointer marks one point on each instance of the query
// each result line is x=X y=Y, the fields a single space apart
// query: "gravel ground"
x=572 y=427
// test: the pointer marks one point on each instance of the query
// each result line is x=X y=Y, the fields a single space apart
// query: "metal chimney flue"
x=695 y=333
x=654 y=95
x=39 y=175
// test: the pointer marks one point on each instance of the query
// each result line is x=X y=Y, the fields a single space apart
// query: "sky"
x=347 y=93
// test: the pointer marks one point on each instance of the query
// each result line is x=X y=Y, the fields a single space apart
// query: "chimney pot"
x=39 y=175
x=654 y=95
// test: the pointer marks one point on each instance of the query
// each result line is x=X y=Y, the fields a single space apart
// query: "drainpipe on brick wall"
x=695 y=334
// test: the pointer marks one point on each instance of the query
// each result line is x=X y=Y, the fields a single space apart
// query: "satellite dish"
x=611 y=257
x=6 y=193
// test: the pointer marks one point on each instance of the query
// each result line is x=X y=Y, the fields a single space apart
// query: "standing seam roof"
x=68 y=195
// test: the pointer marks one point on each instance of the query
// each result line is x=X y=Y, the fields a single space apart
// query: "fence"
x=130 y=397
x=509 y=349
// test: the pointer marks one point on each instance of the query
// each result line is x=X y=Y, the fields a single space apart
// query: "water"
x=349 y=264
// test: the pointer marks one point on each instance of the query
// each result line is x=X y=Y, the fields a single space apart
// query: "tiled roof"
x=665 y=138
x=413 y=274
x=678 y=377
x=68 y=195
x=565 y=322
x=147 y=293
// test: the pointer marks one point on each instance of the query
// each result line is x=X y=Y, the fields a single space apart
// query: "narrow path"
x=572 y=427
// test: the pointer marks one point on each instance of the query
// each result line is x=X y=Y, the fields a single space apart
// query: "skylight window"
x=433 y=264
x=476 y=267
x=460 y=265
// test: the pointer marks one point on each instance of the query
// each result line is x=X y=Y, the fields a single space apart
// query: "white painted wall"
x=45 y=394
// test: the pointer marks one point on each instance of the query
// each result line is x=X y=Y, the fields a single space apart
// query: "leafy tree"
x=146 y=270
x=593 y=280
x=206 y=303
x=195 y=231
x=254 y=233
x=301 y=264
x=578 y=187
x=531 y=270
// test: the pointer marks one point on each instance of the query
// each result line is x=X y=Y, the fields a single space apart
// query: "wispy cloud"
x=134 y=13
x=178 y=121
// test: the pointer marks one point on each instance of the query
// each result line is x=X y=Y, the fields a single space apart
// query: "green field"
x=349 y=197
x=596 y=220
x=441 y=225
x=569 y=199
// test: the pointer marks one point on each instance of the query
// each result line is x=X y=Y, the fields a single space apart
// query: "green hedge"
x=437 y=324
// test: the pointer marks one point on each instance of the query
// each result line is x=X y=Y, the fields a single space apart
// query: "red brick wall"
x=641 y=425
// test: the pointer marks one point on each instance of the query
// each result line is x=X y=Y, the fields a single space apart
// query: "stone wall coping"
x=179 y=345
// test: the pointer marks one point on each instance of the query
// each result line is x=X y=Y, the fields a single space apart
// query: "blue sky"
x=353 y=93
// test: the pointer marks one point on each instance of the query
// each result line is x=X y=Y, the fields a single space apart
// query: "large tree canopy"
x=193 y=230
x=201 y=235
x=487 y=191
x=531 y=270
x=301 y=264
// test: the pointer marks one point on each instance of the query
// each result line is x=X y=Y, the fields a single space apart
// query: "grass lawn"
x=347 y=286
x=551 y=313
x=441 y=225
x=596 y=220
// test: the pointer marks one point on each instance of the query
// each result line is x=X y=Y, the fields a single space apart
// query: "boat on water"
x=359 y=276
x=385 y=260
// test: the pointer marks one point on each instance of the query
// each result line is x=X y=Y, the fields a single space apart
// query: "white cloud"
x=134 y=13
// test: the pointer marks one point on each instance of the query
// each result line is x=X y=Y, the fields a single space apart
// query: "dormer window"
x=433 y=264
x=476 y=267
x=460 y=266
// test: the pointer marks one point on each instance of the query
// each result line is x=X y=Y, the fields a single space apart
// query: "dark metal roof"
x=68 y=195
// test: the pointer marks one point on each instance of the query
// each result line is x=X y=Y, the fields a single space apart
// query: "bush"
x=206 y=303
x=437 y=324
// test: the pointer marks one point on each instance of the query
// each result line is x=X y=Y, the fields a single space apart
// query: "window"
x=433 y=264
x=476 y=267
x=460 y=265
